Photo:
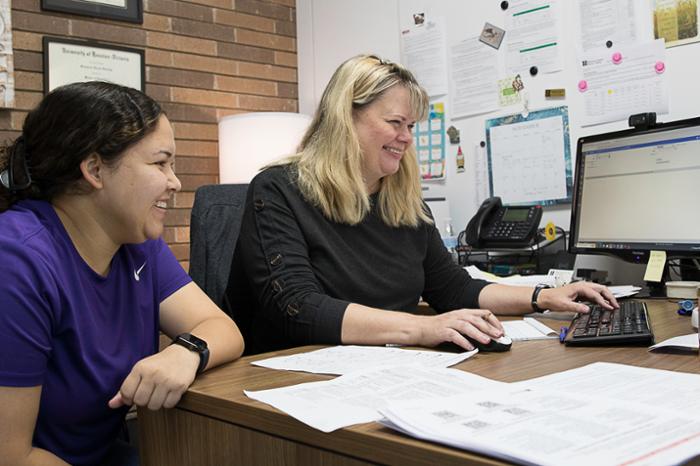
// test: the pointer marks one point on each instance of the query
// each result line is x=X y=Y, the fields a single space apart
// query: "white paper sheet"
x=423 y=51
x=356 y=398
x=527 y=329
x=548 y=427
x=533 y=36
x=616 y=91
x=683 y=342
x=346 y=359
x=474 y=68
x=600 y=21
x=654 y=387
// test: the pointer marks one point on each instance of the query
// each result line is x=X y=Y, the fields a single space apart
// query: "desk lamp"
x=249 y=141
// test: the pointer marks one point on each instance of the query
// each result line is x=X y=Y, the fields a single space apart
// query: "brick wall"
x=204 y=59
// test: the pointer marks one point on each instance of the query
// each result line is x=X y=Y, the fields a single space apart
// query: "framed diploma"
x=68 y=61
x=121 y=10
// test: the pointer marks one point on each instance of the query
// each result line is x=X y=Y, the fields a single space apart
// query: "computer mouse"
x=494 y=346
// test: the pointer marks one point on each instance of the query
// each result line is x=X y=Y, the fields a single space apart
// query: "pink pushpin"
x=582 y=85
x=617 y=58
x=660 y=67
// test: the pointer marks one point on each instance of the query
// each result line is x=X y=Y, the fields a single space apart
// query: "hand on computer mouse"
x=495 y=345
x=481 y=325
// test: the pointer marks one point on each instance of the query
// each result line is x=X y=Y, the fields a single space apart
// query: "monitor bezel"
x=636 y=254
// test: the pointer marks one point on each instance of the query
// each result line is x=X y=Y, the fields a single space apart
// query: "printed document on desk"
x=527 y=329
x=546 y=427
x=356 y=398
x=654 y=387
x=338 y=360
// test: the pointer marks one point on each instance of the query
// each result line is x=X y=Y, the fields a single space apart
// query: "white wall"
x=330 y=31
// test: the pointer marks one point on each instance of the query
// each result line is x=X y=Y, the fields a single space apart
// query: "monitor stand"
x=653 y=290
x=656 y=289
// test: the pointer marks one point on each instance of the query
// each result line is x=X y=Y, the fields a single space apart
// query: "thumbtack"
x=617 y=58
x=582 y=85
x=660 y=67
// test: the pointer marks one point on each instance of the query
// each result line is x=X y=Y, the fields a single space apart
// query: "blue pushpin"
x=685 y=307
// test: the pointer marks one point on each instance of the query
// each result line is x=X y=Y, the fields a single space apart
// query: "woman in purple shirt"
x=86 y=282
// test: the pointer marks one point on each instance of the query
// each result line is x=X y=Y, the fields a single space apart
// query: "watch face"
x=192 y=342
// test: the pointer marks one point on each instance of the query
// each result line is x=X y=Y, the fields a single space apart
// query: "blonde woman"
x=337 y=246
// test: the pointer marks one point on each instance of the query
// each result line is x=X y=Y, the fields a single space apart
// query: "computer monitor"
x=638 y=190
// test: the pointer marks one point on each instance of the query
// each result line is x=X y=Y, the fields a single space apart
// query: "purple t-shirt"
x=72 y=331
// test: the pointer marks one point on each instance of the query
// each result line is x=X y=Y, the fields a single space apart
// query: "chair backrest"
x=214 y=227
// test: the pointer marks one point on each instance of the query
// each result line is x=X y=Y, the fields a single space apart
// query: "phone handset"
x=472 y=233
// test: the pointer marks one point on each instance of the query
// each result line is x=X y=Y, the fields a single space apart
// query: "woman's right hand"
x=479 y=324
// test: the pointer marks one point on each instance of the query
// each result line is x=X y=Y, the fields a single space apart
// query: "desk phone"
x=503 y=226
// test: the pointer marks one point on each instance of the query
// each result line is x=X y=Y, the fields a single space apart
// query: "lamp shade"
x=249 y=141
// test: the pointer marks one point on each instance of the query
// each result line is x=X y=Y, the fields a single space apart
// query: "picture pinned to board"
x=492 y=35
x=676 y=21
x=418 y=19
x=509 y=90
x=429 y=138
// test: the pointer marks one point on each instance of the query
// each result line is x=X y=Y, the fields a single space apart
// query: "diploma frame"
x=86 y=60
x=120 y=10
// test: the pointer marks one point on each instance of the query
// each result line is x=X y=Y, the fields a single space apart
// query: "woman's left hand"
x=565 y=298
x=158 y=381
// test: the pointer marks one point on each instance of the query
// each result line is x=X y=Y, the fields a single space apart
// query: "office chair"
x=214 y=227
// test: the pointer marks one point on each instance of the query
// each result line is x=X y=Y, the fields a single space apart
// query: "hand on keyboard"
x=566 y=298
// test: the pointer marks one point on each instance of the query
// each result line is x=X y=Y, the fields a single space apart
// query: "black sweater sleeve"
x=274 y=256
x=447 y=285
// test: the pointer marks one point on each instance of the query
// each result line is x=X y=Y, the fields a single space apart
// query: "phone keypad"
x=511 y=230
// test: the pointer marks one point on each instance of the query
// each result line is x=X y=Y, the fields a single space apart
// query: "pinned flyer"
x=655 y=266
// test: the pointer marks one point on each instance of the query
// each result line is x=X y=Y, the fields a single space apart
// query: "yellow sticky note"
x=655 y=266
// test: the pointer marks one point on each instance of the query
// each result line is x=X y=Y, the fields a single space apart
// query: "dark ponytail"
x=68 y=125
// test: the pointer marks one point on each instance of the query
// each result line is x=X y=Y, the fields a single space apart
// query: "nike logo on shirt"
x=138 y=272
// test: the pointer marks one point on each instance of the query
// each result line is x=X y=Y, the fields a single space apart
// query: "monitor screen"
x=638 y=190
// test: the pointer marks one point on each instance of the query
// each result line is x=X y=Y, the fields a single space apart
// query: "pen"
x=562 y=334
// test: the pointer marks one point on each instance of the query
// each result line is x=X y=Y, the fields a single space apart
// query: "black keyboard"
x=628 y=325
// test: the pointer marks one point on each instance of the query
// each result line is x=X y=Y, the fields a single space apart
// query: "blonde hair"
x=329 y=161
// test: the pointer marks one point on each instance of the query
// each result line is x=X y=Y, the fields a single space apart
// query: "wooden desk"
x=216 y=424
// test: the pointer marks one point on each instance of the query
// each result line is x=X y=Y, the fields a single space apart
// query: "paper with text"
x=356 y=398
x=553 y=427
x=349 y=358
x=474 y=66
x=616 y=91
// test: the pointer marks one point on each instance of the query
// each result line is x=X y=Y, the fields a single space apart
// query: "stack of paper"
x=602 y=414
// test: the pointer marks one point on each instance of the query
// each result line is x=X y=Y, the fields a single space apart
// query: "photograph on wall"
x=120 y=10
x=676 y=21
x=70 y=61
x=429 y=138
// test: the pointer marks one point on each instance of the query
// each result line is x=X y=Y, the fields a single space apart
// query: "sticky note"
x=655 y=266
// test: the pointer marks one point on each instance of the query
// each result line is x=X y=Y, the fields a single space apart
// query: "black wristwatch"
x=195 y=344
x=535 y=295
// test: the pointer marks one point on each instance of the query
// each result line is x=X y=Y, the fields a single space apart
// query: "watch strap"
x=535 y=295
x=196 y=345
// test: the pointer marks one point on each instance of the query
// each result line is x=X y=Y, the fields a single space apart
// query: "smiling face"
x=384 y=129
x=136 y=191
